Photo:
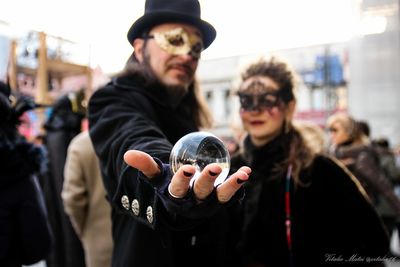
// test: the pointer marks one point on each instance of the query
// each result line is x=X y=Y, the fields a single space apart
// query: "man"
x=159 y=219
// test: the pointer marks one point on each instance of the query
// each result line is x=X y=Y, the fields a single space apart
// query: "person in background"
x=25 y=234
x=161 y=219
x=387 y=159
x=85 y=203
x=353 y=148
x=387 y=162
x=63 y=124
x=301 y=208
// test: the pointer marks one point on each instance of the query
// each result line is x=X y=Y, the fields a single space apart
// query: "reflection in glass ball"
x=200 y=149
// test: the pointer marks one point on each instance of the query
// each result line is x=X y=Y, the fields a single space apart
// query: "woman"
x=352 y=147
x=302 y=208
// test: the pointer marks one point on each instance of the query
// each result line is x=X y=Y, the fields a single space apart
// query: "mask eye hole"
x=269 y=100
x=246 y=101
x=197 y=48
x=176 y=40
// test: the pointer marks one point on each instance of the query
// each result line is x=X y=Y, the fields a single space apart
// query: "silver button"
x=135 y=207
x=125 y=202
x=149 y=214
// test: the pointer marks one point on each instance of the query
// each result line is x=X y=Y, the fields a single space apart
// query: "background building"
x=374 y=88
x=360 y=76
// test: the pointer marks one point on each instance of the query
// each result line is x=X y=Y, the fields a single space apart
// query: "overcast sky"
x=243 y=26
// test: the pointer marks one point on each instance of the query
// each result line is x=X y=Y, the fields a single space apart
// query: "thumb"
x=143 y=162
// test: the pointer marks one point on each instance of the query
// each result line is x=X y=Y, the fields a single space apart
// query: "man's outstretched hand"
x=180 y=182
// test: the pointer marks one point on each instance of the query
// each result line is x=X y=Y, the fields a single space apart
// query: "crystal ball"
x=200 y=149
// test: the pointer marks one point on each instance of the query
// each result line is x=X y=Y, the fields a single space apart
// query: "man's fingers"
x=143 y=162
x=204 y=184
x=180 y=182
x=228 y=188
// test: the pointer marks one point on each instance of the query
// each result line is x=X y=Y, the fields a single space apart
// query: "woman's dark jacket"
x=332 y=219
x=148 y=229
x=25 y=236
x=363 y=161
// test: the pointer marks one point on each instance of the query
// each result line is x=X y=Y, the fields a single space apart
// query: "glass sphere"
x=200 y=149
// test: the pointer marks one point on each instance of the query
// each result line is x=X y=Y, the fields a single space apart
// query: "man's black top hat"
x=167 y=11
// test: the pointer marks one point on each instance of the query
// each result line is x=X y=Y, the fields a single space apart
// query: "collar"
x=154 y=90
x=269 y=154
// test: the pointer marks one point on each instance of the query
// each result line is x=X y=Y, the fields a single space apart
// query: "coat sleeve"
x=74 y=192
x=133 y=124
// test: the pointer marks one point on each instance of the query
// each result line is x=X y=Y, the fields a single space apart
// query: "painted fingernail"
x=212 y=173
x=240 y=181
x=187 y=174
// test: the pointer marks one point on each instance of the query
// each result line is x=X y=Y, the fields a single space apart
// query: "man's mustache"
x=187 y=67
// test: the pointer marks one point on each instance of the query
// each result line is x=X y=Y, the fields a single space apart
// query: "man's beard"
x=175 y=92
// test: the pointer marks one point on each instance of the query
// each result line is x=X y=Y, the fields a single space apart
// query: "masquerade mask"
x=257 y=96
x=179 y=42
x=250 y=102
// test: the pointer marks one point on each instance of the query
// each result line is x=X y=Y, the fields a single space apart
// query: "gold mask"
x=179 y=42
